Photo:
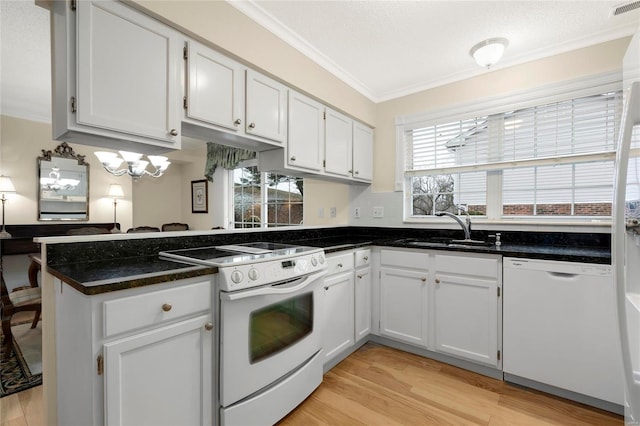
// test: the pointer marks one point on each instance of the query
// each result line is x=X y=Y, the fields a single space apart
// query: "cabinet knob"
x=173 y=132
x=326 y=287
x=357 y=172
x=437 y=280
x=366 y=258
x=252 y=125
x=350 y=171
x=237 y=122
x=293 y=158
x=208 y=326
x=339 y=265
x=423 y=279
x=167 y=307
x=359 y=277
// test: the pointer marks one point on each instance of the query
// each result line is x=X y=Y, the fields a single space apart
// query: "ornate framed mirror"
x=63 y=185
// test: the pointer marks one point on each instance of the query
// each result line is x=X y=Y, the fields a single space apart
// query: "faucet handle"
x=497 y=237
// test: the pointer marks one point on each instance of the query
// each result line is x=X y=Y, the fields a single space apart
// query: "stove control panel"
x=239 y=277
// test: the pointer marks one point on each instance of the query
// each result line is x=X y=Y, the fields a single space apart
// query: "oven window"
x=279 y=326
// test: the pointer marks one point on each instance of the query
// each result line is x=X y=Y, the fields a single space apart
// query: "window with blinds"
x=554 y=159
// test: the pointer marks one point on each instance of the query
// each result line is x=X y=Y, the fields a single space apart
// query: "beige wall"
x=583 y=62
x=320 y=197
x=21 y=143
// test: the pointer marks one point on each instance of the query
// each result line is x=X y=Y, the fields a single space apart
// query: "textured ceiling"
x=383 y=49
x=386 y=49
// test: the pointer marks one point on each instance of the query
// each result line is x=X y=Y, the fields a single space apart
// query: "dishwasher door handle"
x=564 y=275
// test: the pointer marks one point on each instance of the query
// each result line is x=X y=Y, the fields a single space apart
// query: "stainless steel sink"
x=442 y=242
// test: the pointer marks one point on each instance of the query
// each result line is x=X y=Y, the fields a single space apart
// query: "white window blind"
x=554 y=159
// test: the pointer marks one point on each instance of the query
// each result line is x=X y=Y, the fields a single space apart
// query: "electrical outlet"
x=333 y=212
x=378 y=212
x=320 y=212
x=356 y=212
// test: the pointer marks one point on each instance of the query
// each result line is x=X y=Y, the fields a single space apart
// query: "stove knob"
x=236 y=276
x=314 y=261
x=321 y=257
x=253 y=274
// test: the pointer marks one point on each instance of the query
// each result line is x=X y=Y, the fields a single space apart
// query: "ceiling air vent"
x=624 y=8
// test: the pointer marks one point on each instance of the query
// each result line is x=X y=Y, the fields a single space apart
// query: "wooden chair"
x=142 y=229
x=26 y=299
x=88 y=230
x=175 y=226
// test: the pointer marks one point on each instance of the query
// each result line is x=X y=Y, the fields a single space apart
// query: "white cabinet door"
x=305 y=147
x=338 y=314
x=215 y=88
x=266 y=107
x=161 y=377
x=362 y=152
x=338 y=140
x=363 y=302
x=127 y=72
x=466 y=317
x=404 y=305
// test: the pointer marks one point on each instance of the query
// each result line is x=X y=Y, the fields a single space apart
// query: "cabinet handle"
x=350 y=171
x=237 y=122
x=252 y=125
x=167 y=307
x=293 y=158
x=359 y=277
x=366 y=258
x=357 y=172
x=208 y=326
x=423 y=279
x=173 y=132
x=437 y=280
x=339 y=265
x=326 y=287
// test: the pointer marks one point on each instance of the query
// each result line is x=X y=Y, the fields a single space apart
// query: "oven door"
x=267 y=332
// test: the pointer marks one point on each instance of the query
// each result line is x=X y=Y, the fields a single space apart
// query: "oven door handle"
x=274 y=289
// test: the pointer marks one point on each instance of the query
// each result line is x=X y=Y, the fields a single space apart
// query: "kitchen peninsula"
x=109 y=286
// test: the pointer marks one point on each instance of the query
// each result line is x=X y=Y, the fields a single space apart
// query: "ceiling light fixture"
x=136 y=168
x=488 y=52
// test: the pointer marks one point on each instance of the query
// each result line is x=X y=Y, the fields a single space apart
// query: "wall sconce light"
x=6 y=187
x=115 y=192
x=489 y=52
x=136 y=168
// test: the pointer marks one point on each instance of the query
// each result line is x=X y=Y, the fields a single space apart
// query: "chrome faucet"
x=466 y=227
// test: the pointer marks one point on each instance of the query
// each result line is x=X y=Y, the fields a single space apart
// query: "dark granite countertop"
x=111 y=275
x=135 y=263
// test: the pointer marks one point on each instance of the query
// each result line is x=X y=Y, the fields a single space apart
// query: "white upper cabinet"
x=362 y=152
x=338 y=143
x=116 y=77
x=305 y=147
x=215 y=88
x=266 y=107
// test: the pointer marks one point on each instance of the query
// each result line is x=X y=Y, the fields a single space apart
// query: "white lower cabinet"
x=148 y=353
x=347 y=301
x=448 y=303
x=163 y=376
x=466 y=307
x=338 y=314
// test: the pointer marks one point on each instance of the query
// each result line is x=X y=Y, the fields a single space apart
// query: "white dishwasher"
x=560 y=328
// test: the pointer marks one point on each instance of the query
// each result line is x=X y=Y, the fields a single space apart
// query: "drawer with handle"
x=363 y=258
x=142 y=310
x=339 y=263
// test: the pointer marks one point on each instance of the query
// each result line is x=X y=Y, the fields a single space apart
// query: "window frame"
x=546 y=94
x=264 y=202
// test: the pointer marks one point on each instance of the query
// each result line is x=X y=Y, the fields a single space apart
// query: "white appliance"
x=270 y=334
x=567 y=312
x=625 y=230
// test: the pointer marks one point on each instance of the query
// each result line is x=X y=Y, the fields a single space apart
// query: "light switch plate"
x=356 y=212
x=378 y=212
x=333 y=212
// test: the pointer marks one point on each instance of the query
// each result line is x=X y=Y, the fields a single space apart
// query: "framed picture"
x=199 y=199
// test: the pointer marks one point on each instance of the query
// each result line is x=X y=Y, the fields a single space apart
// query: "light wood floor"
x=382 y=386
